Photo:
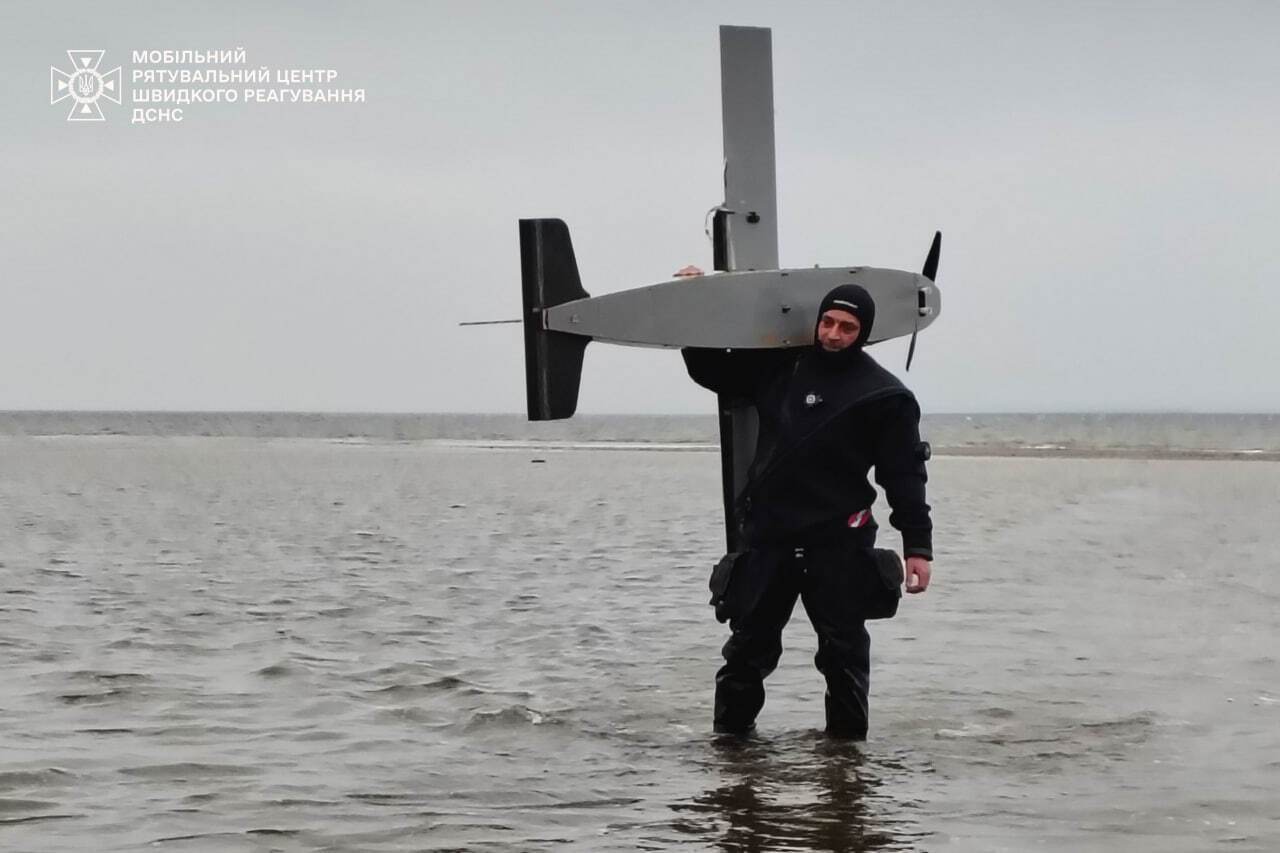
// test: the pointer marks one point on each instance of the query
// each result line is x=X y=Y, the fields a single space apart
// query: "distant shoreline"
x=1140 y=453
x=972 y=450
x=1221 y=436
x=991 y=451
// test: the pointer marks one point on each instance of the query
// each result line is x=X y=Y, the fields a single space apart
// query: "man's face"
x=837 y=330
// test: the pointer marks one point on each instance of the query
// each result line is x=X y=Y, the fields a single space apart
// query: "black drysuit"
x=825 y=420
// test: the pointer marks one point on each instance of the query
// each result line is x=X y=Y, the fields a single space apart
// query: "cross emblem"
x=84 y=84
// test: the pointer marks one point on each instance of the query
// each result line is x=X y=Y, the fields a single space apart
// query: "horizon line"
x=712 y=414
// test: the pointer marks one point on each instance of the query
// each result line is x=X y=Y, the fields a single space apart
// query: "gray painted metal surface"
x=750 y=180
x=743 y=310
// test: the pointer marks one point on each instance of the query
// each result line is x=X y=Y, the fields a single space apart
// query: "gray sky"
x=1104 y=175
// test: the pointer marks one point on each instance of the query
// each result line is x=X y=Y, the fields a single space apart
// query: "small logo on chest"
x=811 y=399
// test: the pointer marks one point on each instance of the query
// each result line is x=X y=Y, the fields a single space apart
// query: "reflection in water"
x=796 y=792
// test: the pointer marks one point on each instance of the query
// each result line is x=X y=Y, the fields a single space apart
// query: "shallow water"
x=256 y=644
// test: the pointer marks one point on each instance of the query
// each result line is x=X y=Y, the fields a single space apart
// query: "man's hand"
x=918 y=571
x=688 y=272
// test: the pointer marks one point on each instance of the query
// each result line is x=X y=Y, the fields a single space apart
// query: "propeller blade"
x=911 y=350
x=930 y=270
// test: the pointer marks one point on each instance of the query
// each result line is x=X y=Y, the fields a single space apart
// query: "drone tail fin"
x=552 y=360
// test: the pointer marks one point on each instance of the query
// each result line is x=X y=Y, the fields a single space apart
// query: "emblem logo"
x=84 y=84
x=811 y=399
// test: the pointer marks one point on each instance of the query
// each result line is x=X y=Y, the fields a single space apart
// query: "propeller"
x=930 y=272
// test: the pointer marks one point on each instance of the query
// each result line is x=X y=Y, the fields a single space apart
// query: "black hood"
x=855 y=300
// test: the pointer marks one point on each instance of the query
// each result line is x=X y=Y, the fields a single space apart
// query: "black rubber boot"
x=845 y=720
x=739 y=698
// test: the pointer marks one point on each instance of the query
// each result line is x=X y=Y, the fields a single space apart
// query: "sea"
x=346 y=632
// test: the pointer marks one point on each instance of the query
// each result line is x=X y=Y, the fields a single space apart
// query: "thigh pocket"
x=883 y=604
x=874 y=577
x=721 y=584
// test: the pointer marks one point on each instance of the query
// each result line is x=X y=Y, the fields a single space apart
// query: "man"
x=828 y=414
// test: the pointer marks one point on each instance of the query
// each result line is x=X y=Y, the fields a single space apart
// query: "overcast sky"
x=1105 y=176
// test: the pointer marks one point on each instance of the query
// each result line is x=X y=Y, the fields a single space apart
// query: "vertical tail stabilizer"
x=552 y=360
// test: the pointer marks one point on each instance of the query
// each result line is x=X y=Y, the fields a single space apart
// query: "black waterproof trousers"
x=761 y=596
